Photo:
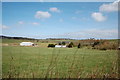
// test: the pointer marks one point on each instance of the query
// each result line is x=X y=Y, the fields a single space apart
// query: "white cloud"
x=35 y=23
x=98 y=16
x=54 y=9
x=3 y=27
x=42 y=15
x=20 y=22
x=111 y=7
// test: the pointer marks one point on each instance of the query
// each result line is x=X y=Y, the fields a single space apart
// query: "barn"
x=27 y=44
x=60 y=46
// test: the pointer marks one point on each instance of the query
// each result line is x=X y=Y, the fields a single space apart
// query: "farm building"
x=27 y=44
x=60 y=46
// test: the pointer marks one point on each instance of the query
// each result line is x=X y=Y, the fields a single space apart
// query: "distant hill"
x=8 y=37
x=26 y=38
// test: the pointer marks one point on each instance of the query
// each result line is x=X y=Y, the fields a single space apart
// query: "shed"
x=27 y=44
x=60 y=46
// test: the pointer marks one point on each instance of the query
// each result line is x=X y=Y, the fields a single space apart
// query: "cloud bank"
x=96 y=33
x=111 y=7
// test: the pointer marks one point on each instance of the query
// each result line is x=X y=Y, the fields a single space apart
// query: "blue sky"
x=58 y=0
x=76 y=20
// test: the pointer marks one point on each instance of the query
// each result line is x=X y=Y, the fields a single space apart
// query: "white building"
x=60 y=46
x=26 y=44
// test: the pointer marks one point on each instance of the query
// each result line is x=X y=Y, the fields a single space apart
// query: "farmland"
x=51 y=39
x=43 y=62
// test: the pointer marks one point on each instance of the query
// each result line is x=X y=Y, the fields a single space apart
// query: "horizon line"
x=62 y=38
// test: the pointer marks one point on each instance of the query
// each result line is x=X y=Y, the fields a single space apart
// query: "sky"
x=76 y=20
x=58 y=0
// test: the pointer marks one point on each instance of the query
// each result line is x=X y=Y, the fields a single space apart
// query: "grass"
x=35 y=62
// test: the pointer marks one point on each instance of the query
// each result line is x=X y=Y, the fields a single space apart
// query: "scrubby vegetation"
x=97 y=44
x=107 y=46
x=51 y=45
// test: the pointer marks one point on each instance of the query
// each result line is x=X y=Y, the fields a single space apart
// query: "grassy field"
x=36 y=62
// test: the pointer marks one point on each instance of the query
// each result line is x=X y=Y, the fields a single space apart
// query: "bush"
x=63 y=43
x=70 y=45
x=103 y=49
x=51 y=45
x=79 y=45
x=60 y=44
x=107 y=46
x=95 y=43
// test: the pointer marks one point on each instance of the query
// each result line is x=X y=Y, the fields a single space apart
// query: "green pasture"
x=36 y=62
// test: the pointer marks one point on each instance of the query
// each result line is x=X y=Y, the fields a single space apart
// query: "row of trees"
x=96 y=44
x=70 y=45
x=63 y=43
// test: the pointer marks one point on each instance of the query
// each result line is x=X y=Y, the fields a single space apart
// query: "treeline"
x=98 y=44
x=91 y=44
